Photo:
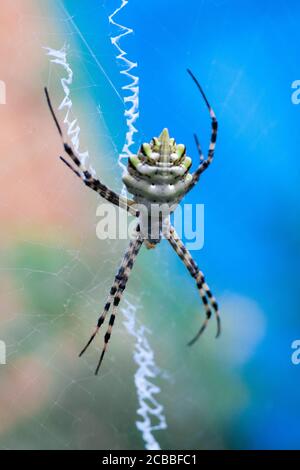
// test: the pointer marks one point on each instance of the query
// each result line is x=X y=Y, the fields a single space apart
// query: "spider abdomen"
x=160 y=171
x=161 y=188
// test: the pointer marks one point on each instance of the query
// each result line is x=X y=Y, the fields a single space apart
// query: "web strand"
x=147 y=371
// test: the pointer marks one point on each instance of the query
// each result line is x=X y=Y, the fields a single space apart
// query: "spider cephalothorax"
x=158 y=177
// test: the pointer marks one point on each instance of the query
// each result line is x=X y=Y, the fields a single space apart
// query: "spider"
x=158 y=175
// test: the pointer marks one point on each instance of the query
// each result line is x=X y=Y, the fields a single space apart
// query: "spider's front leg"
x=204 y=290
x=204 y=164
x=116 y=293
x=86 y=176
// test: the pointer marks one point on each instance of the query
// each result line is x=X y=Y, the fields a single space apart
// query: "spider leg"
x=204 y=164
x=201 y=156
x=204 y=291
x=85 y=175
x=102 y=190
x=118 y=296
x=113 y=291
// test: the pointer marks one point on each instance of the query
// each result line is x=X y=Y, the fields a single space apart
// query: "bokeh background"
x=239 y=392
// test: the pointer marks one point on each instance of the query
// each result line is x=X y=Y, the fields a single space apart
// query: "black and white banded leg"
x=116 y=293
x=204 y=291
x=117 y=298
x=204 y=164
x=112 y=293
x=85 y=175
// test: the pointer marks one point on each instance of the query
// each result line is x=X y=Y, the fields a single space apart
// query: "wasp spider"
x=157 y=176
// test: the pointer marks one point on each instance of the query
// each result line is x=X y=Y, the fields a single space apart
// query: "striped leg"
x=86 y=176
x=118 y=296
x=204 y=164
x=204 y=291
x=113 y=291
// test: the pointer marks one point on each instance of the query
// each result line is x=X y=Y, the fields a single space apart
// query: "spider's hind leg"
x=116 y=293
x=135 y=248
x=208 y=299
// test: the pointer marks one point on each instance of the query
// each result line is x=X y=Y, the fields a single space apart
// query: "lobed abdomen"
x=161 y=187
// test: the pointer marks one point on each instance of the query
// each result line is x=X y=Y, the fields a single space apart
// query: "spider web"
x=148 y=408
x=57 y=275
x=143 y=354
